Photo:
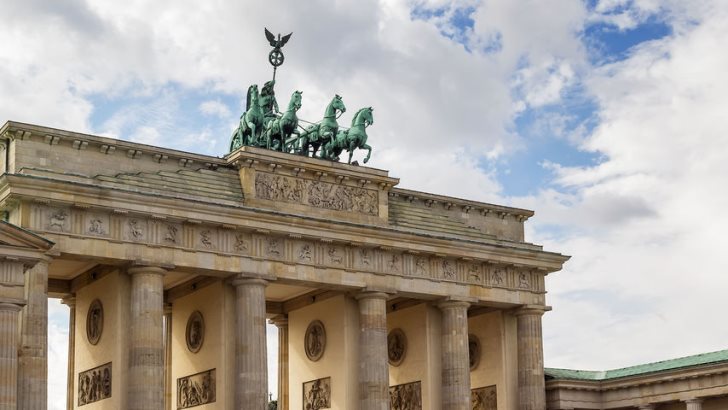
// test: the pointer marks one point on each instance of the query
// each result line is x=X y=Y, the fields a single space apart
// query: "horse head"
x=363 y=117
x=295 y=103
x=338 y=104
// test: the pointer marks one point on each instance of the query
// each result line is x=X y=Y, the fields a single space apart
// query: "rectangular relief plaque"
x=317 y=194
x=94 y=384
x=406 y=396
x=196 y=390
x=317 y=394
x=484 y=398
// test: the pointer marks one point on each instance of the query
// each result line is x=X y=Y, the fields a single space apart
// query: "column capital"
x=371 y=294
x=13 y=306
x=248 y=281
x=154 y=270
x=69 y=301
x=532 y=310
x=649 y=406
x=279 y=321
x=453 y=303
x=696 y=400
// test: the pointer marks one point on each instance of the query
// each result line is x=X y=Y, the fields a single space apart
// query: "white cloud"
x=216 y=108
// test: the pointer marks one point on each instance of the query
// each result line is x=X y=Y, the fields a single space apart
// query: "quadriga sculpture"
x=280 y=129
x=251 y=122
x=351 y=139
x=319 y=134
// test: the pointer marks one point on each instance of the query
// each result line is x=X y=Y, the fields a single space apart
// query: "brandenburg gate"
x=172 y=263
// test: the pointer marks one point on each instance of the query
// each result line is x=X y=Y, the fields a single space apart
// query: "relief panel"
x=135 y=229
x=58 y=219
x=406 y=396
x=317 y=394
x=317 y=194
x=94 y=384
x=484 y=398
x=196 y=390
x=96 y=224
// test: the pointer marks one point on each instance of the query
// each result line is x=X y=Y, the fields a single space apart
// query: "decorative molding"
x=315 y=340
x=95 y=322
x=396 y=347
x=195 y=332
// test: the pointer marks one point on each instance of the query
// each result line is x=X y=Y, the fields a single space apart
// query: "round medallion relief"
x=315 y=340
x=473 y=351
x=95 y=321
x=396 y=346
x=195 y=332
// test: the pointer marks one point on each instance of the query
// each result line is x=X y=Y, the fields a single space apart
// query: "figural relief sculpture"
x=484 y=398
x=406 y=396
x=94 y=384
x=195 y=332
x=396 y=346
x=94 y=322
x=317 y=394
x=196 y=390
x=315 y=340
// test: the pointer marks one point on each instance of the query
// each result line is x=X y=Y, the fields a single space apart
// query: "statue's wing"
x=271 y=38
x=284 y=39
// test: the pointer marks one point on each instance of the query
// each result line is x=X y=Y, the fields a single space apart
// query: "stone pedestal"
x=694 y=404
x=70 y=378
x=531 y=382
x=251 y=384
x=455 y=363
x=33 y=354
x=281 y=323
x=146 y=343
x=373 y=362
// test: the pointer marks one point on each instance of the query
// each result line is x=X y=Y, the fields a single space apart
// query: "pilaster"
x=281 y=323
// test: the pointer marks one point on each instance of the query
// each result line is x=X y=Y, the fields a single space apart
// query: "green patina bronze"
x=263 y=125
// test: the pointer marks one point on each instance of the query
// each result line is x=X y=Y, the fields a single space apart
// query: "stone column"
x=168 y=356
x=647 y=407
x=146 y=342
x=251 y=391
x=33 y=354
x=281 y=323
x=9 y=354
x=373 y=359
x=694 y=404
x=531 y=382
x=70 y=301
x=11 y=303
x=455 y=362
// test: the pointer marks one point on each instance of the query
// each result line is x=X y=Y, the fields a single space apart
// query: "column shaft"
x=9 y=313
x=531 y=382
x=373 y=361
x=33 y=354
x=250 y=344
x=71 y=373
x=455 y=363
x=168 y=403
x=146 y=343
x=281 y=323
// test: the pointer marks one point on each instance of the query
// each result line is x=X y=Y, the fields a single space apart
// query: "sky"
x=606 y=117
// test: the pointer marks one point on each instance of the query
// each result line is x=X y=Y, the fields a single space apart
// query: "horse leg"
x=369 y=152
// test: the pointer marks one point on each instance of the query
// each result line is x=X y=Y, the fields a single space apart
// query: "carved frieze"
x=241 y=243
x=171 y=234
x=94 y=384
x=95 y=322
x=318 y=194
x=315 y=340
x=97 y=224
x=393 y=263
x=196 y=390
x=305 y=252
x=195 y=331
x=449 y=269
x=59 y=219
x=317 y=394
x=135 y=229
x=406 y=396
x=484 y=398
